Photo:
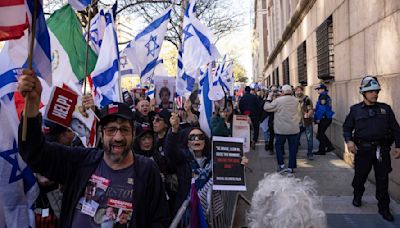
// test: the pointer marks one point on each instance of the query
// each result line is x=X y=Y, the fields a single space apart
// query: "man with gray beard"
x=111 y=180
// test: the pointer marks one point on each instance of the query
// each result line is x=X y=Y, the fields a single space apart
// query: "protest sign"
x=62 y=105
x=165 y=90
x=241 y=129
x=228 y=172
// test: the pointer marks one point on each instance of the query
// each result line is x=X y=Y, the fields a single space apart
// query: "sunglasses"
x=194 y=137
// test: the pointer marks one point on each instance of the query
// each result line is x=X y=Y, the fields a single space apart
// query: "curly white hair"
x=287 y=202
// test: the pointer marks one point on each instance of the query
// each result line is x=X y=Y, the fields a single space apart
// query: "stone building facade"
x=336 y=42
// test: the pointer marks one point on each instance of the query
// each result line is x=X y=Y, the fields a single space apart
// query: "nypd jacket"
x=323 y=108
x=73 y=166
x=371 y=123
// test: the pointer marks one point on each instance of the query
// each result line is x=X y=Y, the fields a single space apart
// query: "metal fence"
x=224 y=220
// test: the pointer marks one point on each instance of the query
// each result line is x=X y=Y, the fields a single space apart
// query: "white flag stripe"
x=11 y=12
x=144 y=50
x=198 y=46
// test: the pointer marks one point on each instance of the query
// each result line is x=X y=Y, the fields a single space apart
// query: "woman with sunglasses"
x=192 y=158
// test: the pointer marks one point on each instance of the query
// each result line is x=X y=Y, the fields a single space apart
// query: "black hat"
x=52 y=128
x=117 y=109
x=143 y=130
x=165 y=115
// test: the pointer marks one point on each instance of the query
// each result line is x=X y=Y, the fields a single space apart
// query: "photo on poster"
x=228 y=172
x=241 y=129
x=165 y=90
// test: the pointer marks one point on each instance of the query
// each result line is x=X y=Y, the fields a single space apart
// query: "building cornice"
x=302 y=8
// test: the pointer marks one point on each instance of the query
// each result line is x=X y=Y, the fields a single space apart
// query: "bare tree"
x=213 y=13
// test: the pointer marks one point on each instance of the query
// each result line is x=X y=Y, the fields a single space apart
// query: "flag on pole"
x=216 y=92
x=97 y=28
x=13 y=19
x=41 y=52
x=227 y=80
x=197 y=42
x=184 y=82
x=19 y=189
x=105 y=76
x=68 y=47
x=79 y=4
x=11 y=66
x=206 y=105
x=144 y=50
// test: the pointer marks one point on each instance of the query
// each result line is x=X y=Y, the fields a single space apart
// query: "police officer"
x=369 y=131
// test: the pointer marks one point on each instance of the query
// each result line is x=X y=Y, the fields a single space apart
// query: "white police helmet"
x=369 y=83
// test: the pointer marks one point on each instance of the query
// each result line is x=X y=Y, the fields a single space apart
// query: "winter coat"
x=286 y=114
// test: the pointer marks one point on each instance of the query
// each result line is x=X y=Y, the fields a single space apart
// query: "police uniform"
x=372 y=128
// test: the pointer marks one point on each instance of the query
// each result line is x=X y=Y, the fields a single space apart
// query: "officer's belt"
x=362 y=143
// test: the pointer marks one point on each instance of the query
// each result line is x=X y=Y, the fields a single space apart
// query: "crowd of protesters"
x=149 y=160
x=139 y=174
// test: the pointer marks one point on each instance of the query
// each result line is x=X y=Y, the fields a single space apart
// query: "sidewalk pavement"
x=333 y=177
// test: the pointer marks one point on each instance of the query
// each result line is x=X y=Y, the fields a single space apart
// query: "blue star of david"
x=123 y=61
x=186 y=34
x=152 y=48
x=11 y=156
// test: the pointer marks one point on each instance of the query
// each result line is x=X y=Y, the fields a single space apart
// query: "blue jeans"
x=280 y=141
x=309 y=135
x=266 y=135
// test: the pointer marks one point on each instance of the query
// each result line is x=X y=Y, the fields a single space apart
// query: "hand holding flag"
x=30 y=88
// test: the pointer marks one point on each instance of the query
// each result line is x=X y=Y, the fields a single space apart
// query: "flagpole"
x=87 y=48
x=30 y=63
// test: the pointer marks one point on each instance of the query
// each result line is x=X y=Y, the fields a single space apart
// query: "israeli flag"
x=79 y=4
x=227 y=80
x=19 y=189
x=144 y=50
x=11 y=66
x=105 y=75
x=198 y=48
x=216 y=92
x=151 y=91
x=184 y=81
x=42 y=52
x=206 y=105
x=97 y=27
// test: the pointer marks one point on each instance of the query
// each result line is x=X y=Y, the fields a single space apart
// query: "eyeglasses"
x=194 y=137
x=112 y=131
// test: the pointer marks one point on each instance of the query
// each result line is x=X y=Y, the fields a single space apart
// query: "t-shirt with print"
x=107 y=199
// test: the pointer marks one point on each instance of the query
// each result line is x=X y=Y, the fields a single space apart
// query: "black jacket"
x=181 y=159
x=250 y=103
x=72 y=167
x=372 y=123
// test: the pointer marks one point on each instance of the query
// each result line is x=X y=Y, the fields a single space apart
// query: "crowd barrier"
x=224 y=220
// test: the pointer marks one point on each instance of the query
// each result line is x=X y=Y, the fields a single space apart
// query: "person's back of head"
x=288 y=202
x=287 y=90
x=57 y=133
x=247 y=89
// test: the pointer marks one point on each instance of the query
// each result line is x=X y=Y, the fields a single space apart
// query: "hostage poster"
x=228 y=173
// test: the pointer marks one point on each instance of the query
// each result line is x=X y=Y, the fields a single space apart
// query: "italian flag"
x=68 y=47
